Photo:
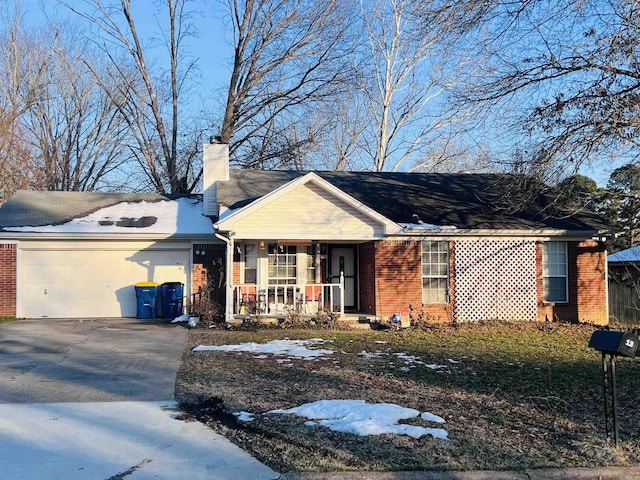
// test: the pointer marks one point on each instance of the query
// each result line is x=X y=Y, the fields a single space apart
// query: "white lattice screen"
x=495 y=280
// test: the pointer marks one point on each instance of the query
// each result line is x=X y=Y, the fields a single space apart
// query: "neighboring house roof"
x=104 y=213
x=465 y=201
x=629 y=255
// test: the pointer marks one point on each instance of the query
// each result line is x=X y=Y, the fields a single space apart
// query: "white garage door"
x=92 y=283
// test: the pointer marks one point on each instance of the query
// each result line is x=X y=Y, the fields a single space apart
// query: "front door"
x=343 y=259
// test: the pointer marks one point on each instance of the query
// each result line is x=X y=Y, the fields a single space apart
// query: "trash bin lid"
x=146 y=284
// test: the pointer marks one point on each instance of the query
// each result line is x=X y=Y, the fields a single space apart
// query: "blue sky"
x=211 y=48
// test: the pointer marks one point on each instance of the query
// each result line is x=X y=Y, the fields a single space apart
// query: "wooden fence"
x=624 y=295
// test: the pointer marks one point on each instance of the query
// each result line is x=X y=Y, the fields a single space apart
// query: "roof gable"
x=307 y=206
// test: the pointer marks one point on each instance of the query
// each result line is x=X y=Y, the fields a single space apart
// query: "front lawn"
x=514 y=396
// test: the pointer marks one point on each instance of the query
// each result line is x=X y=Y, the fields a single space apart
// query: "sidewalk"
x=114 y=441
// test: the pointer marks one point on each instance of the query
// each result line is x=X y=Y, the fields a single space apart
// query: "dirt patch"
x=514 y=396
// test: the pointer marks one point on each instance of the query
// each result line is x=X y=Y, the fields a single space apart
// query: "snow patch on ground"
x=361 y=418
x=352 y=416
x=409 y=361
x=298 y=349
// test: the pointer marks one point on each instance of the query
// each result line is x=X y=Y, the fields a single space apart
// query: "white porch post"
x=228 y=309
x=342 y=294
x=228 y=312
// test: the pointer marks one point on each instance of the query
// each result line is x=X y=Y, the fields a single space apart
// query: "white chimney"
x=215 y=164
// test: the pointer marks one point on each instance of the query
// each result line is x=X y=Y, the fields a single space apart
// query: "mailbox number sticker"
x=629 y=343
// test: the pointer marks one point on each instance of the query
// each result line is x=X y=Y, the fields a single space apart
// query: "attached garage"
x=84 y=279
x=80 y=254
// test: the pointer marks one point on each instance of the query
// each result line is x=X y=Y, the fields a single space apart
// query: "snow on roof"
x=629 y=255
x=426 y=226
x=179 y=216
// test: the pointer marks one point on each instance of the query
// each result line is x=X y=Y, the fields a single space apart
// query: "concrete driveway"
x=100 y=360
x=93 y=399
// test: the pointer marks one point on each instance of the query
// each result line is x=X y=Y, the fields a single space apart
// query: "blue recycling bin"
x=171 y=294
x=147 y=299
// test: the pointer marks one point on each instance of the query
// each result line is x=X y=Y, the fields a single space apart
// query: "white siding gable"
x=309 y=212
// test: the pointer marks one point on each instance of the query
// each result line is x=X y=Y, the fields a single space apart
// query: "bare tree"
x=58 y=132
x=76 y=131
x=62 y=133
x=287 y=54
x=572 y=66
x=17 y=166
x=406 y=71
x=149 y=100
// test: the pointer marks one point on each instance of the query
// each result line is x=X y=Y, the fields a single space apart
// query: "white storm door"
x=343 y=259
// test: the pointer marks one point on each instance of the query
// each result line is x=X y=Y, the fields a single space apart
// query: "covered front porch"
x=286 y=278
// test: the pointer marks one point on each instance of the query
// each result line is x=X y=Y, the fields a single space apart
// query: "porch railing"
x=306 y=299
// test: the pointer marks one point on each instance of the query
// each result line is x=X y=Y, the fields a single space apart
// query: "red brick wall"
x=587 y=285
x=398 y=280
x=8 y=280
x=367 y=271
x=209 y=269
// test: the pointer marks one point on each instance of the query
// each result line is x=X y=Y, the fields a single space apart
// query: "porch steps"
x=354 y=322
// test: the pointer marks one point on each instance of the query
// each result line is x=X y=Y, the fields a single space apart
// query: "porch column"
x=228 y=311
x=341 y=294
x=228 y=308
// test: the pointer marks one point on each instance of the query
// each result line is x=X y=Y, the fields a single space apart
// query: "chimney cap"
x=215 y=139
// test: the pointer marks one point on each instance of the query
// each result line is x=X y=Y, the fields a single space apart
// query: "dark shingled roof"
x=34 y=208
x=466 y=201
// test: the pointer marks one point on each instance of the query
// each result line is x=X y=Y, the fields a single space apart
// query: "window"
x=250 y=263
x=311 y=263
x=435 y=272
x=554 y=271
x=282 y=264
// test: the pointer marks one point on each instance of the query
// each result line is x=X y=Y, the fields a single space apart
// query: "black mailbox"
x=615 y=343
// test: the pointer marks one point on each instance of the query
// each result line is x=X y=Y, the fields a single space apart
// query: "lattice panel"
x=495 y=280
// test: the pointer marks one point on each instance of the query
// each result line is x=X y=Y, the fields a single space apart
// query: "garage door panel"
x=93 y=283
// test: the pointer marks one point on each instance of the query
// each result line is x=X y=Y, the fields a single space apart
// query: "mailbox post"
x=611 y=344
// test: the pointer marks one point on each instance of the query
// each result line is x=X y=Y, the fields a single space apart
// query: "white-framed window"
x=282 y=264
x=250 y=254
x=435 y=271
x=312 y=266
x=555 y=272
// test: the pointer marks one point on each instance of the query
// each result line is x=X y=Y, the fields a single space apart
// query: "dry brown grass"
x=523 y=396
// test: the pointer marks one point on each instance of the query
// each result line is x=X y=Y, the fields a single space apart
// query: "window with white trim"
x=554 y=272
x=312 y=267
x=282 y=264
x=435 y=272
x=250 y=262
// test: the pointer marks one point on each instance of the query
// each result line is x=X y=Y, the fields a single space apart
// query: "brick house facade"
x=391 y=273
x=587 y=278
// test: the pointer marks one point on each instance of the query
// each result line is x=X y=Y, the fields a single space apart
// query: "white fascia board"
x=226 y=225
x=17 y=236
x=499 y=234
